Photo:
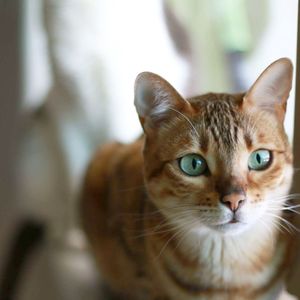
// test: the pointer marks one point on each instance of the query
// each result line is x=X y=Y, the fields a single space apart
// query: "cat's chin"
x=231 y=228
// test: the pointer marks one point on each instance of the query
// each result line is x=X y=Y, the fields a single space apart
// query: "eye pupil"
x=258 y=158
x=194 y=163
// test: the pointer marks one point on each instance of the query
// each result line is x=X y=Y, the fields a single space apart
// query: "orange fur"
x=157 y=233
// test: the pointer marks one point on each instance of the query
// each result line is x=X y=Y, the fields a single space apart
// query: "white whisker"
x=187 y=119
x=168 y=242
x=286 y=222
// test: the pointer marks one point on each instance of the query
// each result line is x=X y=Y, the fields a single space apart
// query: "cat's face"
x=219 y=161
x=241 y=157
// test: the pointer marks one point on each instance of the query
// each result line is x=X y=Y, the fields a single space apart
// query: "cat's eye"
x=193 y=164
x=259 y=159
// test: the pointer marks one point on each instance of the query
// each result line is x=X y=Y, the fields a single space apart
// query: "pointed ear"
x=271 y=90
x=155 y=99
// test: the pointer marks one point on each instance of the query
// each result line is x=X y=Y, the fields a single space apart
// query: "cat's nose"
x=234 y=201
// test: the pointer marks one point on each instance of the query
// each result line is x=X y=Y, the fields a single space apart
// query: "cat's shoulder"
x=112 y=157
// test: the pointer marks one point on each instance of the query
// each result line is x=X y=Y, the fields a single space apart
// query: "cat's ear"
x=271 y=90
x=155 y=99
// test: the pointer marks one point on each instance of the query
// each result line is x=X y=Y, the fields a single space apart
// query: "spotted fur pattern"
x=157 y=233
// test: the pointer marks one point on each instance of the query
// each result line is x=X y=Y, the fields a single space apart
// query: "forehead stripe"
x=222 y=121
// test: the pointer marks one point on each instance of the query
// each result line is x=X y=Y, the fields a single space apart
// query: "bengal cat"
x=196 y=207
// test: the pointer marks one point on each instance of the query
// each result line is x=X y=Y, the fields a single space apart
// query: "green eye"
x=259 y=159
x=193 y=164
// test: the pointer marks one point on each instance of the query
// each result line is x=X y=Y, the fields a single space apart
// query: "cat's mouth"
x=233 y=221
x=233 y=225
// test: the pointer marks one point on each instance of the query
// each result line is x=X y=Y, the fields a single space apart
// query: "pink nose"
x=233 y=201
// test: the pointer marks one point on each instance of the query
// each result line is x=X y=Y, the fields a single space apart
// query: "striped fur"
x=159 y=234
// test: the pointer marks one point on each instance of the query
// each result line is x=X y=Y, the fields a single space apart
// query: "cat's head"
x=217 y=161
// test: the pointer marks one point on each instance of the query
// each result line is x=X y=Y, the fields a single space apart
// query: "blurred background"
x=67 y=74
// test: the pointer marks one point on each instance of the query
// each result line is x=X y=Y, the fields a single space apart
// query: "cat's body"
x=160 y=233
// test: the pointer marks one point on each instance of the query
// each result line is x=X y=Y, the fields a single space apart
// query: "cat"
x=194 y=208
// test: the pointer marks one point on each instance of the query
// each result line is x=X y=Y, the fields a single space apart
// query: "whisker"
x=285 y=197
x=262 y=221
x=183 y=236
x=160 y=228
x=145 y=215
x=187 y=119
x=289 y=224
x=179 y=232
x=284 y=209
x=279 y=225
